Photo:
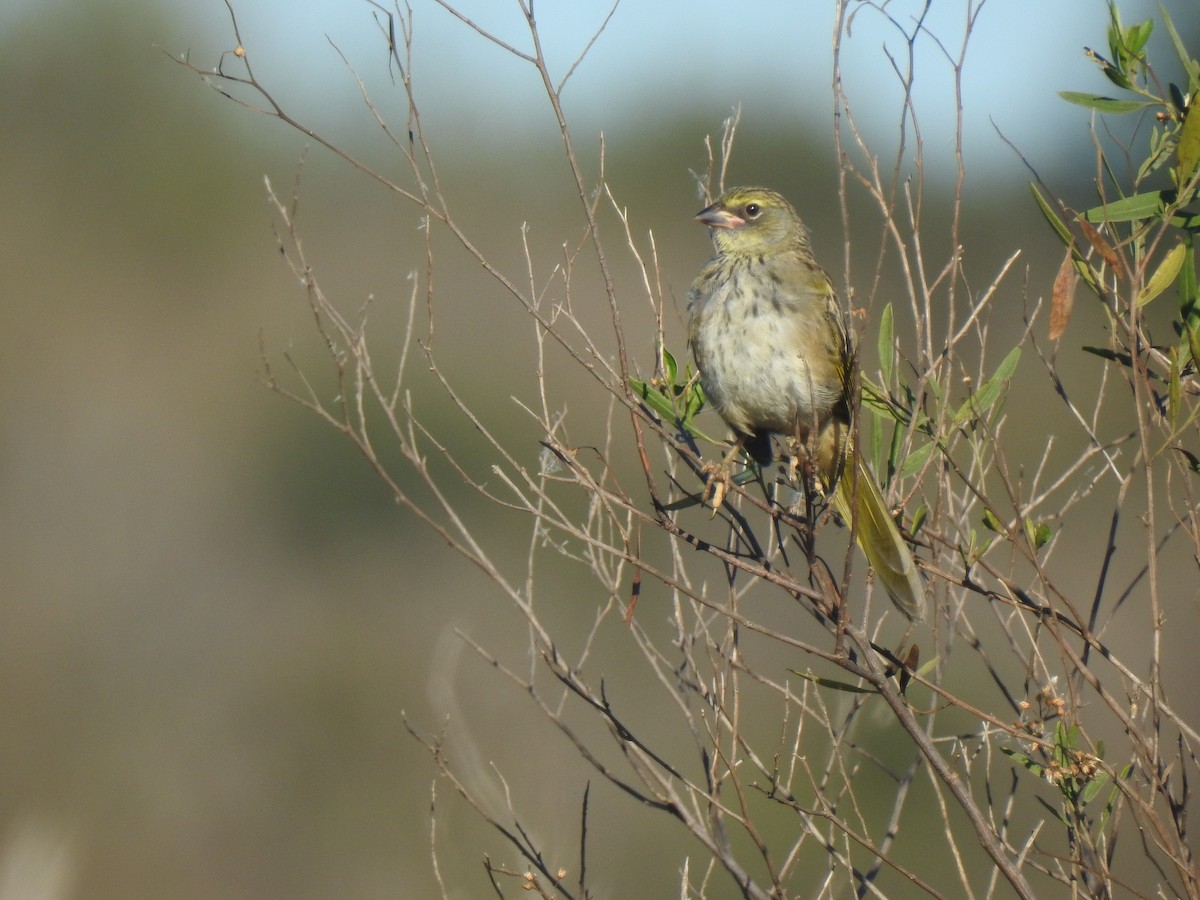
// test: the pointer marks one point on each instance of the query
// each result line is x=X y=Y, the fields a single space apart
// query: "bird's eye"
x=753 y=210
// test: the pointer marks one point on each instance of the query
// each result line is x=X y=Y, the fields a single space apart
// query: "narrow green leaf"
x=915 y=461
x=1165 y=275
x=1089 y=277
x=928 y=667
x=1189 y=65
x=1128 y=209
x=874 y=399
x=1115 y=30
x=1189 y=222
x=893 y=453
x=1173 y=387
x=1062 y=742
x=1105 y=104
x=1056 y=223
x=933 y=386
x=671 y=368
x=1094 y=786
x=1117 y=77
x=1036 y=768
x=919 y=518
x=987 y=395
x=653 y=399
x=1111 y=804
x=991 y=522
x=1187 y=151
x=1136 y=37
x=1193 y=339
x=693 y=402
x=886 y=347
x=1189 y=294
x=1111 y=72
x=874 y=450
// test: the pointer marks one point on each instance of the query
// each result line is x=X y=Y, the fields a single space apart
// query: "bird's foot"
x=793 y=469
x=802 y=470
x=716 y=483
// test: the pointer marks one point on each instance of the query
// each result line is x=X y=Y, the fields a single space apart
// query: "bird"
x=775 y=357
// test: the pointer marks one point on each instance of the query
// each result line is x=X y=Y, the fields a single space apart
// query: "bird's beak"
x=718 y=217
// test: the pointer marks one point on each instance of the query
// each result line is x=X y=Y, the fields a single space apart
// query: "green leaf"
x=919 y=518
x=670 y=367
x=872 y=440
x=894 y=450
x=1094 y=786
x=1056 y=223
x=1036 y=768
x=1188 y=221
x=991 y=522
x=1173 y=387
x=915 y=461
x=1105 y=104
x=1189 y=295
x=653 y=399
x=1136 y=37
x=1089 y=277
x=928 y=667
x=1062 y=741
x=1038 y=534
x=1190 y=65
x=693 y=403
x=1113 y=796
x=1187 y=151
x=1193 y=340
x=886 y=336
x=874 y=399
x=1129 y=209
x=987 y=395
x=1165 y=275
x=1113 y=74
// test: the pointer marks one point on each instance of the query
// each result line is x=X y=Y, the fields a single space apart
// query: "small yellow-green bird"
x=775 y=357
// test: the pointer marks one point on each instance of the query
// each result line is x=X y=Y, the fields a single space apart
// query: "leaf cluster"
x=1138 y=241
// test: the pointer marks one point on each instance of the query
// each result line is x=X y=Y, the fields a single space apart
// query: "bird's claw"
x=717 y=481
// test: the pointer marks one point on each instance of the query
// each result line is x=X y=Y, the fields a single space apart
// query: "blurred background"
x=213 y=616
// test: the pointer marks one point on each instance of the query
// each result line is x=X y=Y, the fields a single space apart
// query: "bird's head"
x=751 y=221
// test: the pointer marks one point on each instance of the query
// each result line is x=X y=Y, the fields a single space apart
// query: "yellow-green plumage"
x=775 y=357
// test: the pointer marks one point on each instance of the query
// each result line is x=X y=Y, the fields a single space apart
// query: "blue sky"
x=771 y=56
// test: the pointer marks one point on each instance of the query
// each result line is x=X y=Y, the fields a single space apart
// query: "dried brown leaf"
x=1103 y=247
x=1062 y=297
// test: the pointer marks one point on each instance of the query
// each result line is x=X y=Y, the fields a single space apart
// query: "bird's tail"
x=879 y=537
